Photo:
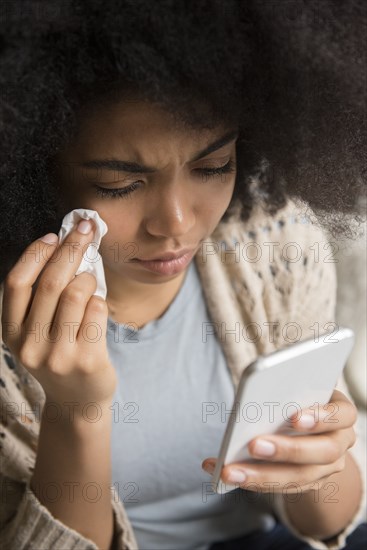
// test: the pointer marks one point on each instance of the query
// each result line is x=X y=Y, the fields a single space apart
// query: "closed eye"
x=125 y=191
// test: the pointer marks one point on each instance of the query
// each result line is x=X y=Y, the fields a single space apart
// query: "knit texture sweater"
x=268 y=282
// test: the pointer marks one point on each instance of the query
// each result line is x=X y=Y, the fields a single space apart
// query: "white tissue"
x=92 y=260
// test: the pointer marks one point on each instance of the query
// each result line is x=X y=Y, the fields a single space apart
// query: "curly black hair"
x=290 y=74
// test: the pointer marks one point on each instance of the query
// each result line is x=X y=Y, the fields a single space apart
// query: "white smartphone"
x=275 y=387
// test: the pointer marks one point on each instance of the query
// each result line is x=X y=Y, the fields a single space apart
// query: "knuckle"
x=51 y=286
x=73 y=296
x=98 y=304
x=28 y=358
x=14 y=281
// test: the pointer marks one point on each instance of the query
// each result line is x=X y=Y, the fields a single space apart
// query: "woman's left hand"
x=297 y=463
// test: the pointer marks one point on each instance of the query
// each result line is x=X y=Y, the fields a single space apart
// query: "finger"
x=18 y=289
x=278 y=476
x=338 y=414
x=57 y=275
x=93 y=330
x=307 y=449
x=74 y=298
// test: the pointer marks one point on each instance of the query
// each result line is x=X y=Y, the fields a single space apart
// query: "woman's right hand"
x=70 y=361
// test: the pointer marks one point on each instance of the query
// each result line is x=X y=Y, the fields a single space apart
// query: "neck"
x=136 y=303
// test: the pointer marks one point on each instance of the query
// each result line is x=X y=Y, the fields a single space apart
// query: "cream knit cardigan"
x=267 y=282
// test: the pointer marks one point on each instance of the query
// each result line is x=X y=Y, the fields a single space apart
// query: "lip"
x=167 y=256
x=167 y=267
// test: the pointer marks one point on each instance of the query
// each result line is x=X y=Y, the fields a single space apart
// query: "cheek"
x=123 y=228
x=217 y=199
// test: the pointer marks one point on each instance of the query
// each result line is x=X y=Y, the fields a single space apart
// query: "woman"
x=205 y=119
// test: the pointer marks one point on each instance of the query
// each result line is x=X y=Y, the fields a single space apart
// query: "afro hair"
x=291 y=74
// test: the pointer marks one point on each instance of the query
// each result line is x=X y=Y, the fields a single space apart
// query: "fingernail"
x=264 y=448
x=236 y=476
x=209 y=467
x=50 y=238
x=306 y=421
x=85 y=227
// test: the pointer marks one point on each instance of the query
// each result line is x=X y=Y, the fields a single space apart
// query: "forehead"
x=138 y=129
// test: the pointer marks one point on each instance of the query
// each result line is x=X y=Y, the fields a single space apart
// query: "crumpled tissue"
x=92 y=260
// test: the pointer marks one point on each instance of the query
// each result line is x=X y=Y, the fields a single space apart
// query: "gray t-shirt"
x=170 y=411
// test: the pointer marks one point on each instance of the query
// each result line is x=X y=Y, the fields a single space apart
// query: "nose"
x=172 y=214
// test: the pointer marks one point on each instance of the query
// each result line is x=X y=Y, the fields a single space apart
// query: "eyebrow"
x=134 y=167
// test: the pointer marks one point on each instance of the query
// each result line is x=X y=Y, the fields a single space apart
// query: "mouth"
x=171 y=265
x=167 y=256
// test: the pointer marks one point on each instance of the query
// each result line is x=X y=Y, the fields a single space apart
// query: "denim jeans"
x=279 y=538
